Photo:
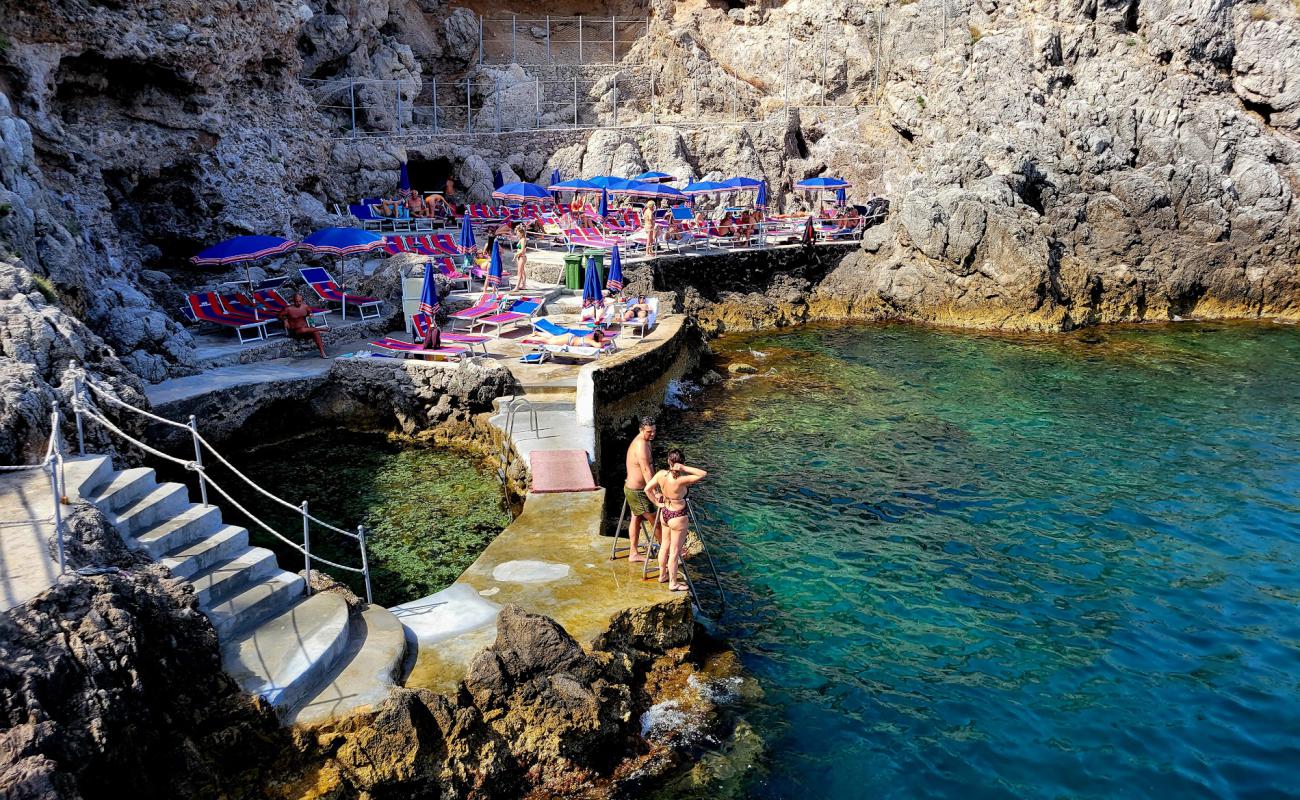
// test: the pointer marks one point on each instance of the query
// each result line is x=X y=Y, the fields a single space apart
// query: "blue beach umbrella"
x=521 y=192
x=841 y=198
x=429 y=304
x=615 y=281
x=497 y=180
x=573 y=185
x=494 y=278
x=661 y=191
x=241 y=249
x=742 y=183
x=404 y=181
x=603 y=210
x=604 y=181
x=821 y=184
x=761 y=200
x=341 y=242
x=591 y=293
x=704 y=187
x=654 y=177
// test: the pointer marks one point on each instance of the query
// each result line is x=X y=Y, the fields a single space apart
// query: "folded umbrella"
x=494 y=277
x=591 y=293
x=615 y=281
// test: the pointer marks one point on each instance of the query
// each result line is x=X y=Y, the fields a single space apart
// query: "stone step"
x=285 y=656
x=367 y=670
x=245 y=609
x=233 y=575
x=85 y=475
x=191 y=524
x=158 y=505
x=122 y=489
x=225 y=542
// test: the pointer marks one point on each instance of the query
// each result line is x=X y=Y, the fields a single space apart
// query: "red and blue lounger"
x=199 y=310
x=413 y=349
x=396 y=245
x=549 y=328
x=487 y=304
x=441 y=243
x=421 y=325
x=275 y=303
x=448 y=271
x=517 y=312
x=240 y=304
x=330 y=292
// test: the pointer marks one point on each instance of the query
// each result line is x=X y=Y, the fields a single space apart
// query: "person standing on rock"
x=640 y=468
x=667 y=489
x=521 y=257
x=297 y=322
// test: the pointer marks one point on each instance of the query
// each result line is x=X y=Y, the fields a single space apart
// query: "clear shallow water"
x=966 y=566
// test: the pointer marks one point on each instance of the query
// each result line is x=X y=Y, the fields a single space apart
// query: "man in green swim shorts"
x=640 y=469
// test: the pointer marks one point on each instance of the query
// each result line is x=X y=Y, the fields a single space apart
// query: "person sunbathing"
x=416 y=206
x=727 y=226
x=297 y=323
x=388 y=208
x=594 y=339
x=638 y=310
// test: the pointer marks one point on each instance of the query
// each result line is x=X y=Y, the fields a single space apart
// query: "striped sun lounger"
x=518 y=311
x=441 y=243
x=330 y=292
x=487 y=304
x=413 y=349
x=420 y=323
x=449 y=272
x=207 y=307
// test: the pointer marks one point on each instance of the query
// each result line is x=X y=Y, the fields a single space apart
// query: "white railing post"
x=78 y=390
x=365 y=562
x=306 y=544
x=480 y=40
x=52 y=464
x=549 y=59
x=513 y=21
x=198 y=460
x=613 y=40
x=579 y=40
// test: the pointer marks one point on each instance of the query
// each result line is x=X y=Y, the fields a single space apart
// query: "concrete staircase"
x=307 y=656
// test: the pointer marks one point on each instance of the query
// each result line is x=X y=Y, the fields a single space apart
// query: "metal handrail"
x=652 y=546
x=84 y=408
x=51 y=464
x=510 y=408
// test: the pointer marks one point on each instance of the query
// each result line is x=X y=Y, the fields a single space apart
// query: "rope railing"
x=87 y=410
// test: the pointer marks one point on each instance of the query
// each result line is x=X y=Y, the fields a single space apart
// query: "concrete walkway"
x=215 y=380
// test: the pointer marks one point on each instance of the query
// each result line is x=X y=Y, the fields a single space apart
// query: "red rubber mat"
x=561 y=471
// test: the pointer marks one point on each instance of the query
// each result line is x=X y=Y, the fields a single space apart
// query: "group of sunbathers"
x=661 y=495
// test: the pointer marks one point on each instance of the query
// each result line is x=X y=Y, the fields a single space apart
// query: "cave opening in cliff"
x=429 y=174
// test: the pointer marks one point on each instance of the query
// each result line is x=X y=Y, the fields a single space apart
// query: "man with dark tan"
x=297 y=321
x=640 y=469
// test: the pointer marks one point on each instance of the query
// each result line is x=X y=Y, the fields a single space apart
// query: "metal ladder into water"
x=511 y=407
x=652 y=550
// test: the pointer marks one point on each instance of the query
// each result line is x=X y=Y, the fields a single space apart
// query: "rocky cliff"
x=1051 y=163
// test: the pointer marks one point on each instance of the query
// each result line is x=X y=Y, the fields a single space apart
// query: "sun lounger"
x=413 y=349
x=644 y=325
x=441 y=243
x=420 y=323
x=208 y=308
x=274 y=302
x=406 y=244
x=330 y=292
x=549 y=351
x=486 y=305
x=449 y=272
x=545 y=326
x=591 y=238
x=517 y=312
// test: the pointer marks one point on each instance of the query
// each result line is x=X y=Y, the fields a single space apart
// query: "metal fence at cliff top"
x=584 y=73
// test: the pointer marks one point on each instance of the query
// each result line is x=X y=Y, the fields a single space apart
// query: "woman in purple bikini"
x=667 y=490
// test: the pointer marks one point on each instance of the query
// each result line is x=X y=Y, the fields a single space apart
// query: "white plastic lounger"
x=646 y=324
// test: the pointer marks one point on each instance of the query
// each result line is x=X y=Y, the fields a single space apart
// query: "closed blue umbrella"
x=841 y=197
x=497 y=180
x=821 y=184
x=603 y=210
x=494 y=278
x=341 y=241
x=429 y=304
x=555 y=175
x=404 y=181
x=591 y=293
x=761 y=200
x=521 y=192
x=615 y=281
x=466 y=241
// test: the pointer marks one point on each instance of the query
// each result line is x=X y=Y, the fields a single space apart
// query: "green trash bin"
x=599 y=256
x=573 y=270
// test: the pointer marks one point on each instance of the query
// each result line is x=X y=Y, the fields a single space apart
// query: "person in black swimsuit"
x=667 y=490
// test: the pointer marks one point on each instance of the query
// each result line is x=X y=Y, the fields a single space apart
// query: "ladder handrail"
x=83 y=405
x=51 y=464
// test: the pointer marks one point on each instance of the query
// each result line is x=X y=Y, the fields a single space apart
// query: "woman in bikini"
x=667 y=490
x=521 y=257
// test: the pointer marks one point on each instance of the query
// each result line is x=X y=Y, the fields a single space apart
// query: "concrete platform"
x=220 y=378
x=552 y=560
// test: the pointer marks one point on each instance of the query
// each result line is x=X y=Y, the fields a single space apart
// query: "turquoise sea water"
x=967 y=566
